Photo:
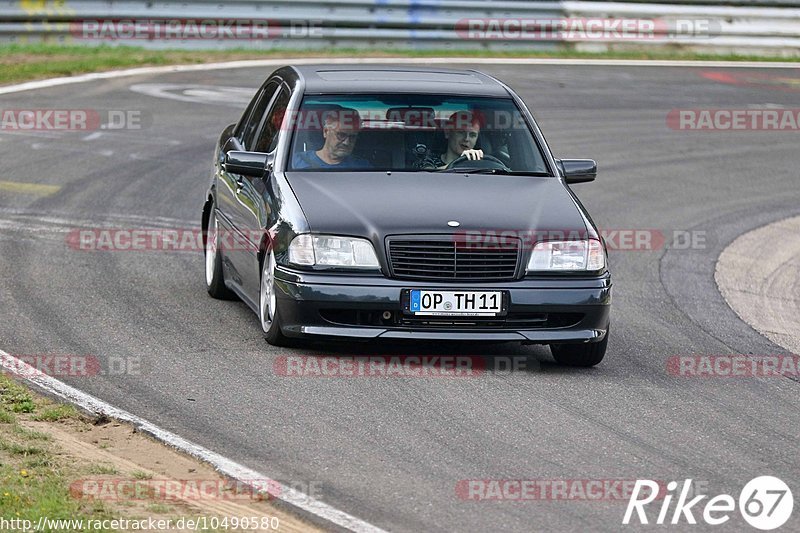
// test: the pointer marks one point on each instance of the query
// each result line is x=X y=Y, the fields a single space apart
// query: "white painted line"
x=222 y=464
x=67 y=218
x=237 y=97
x=254 y=63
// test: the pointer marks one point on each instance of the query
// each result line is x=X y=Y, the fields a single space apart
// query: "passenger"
x=461 y=133
x=340 y=131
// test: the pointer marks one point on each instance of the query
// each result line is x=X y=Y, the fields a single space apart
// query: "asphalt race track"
x=392 y=451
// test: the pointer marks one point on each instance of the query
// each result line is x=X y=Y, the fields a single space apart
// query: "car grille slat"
x=424 y=246
x=427 y=269
x=445 y=258
x=491 y=256
x=487 y=261
x=432 y=260
x=414 y=253
x=427 y=257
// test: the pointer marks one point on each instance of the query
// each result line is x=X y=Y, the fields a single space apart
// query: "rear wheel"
x=268 y=304
x=215 y=284
x=587 y=354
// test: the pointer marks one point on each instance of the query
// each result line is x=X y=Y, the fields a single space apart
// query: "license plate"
x=455 y=303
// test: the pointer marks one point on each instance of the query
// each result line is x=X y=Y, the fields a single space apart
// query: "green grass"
x=56 y=413
x=25 y=62
x=20 y=62
x=103 y=469
x=14 y=397
x=36 y=476
x=34 y=481
x=40 y=462
x=29 y=493
x=14 y=448
x=6 y=417
x=159 y=508
x=31 y=434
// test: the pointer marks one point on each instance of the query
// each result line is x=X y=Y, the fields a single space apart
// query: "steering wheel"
x=488 y=161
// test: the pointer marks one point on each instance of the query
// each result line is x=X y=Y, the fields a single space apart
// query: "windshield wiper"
x=502 y=172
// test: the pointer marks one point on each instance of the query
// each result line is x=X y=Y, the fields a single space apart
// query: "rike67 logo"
x=765 y=503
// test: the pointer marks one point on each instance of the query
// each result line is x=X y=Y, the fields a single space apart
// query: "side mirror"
x=252 y=164
x=578 y=170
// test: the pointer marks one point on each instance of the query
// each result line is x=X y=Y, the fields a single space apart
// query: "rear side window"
x=254 y=120
x=268 y=138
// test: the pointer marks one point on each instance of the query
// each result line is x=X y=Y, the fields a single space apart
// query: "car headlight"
x=333 y=251
x=567 y=256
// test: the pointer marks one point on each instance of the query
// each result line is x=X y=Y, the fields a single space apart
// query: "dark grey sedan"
x=404 y=203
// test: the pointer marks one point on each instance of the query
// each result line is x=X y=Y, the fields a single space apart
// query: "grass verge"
x=34 y=479
x=23 y=62
x=102 y=475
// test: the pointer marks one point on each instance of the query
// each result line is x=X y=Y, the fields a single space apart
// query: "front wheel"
x=268 y=304
x=215 y=284
x=585 y=355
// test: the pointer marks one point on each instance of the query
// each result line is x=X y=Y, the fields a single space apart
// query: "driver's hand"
x=473 y=155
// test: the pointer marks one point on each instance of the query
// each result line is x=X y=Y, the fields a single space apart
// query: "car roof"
x=397 y=79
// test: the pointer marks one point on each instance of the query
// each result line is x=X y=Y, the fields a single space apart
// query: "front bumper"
x=540 y=311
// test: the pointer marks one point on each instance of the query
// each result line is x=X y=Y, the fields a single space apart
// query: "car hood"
x=375 y=205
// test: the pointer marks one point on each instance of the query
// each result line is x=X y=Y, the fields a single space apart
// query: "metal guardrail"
x=751 y=27
x=762 y=30
x=748 y=3
x=362 y=11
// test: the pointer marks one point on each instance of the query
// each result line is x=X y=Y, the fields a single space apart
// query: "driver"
x=461 y=132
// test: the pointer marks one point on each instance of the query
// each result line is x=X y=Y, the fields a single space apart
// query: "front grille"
x=447 y=258
x=514 y=320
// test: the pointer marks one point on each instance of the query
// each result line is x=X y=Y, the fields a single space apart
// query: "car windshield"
x=414 y=133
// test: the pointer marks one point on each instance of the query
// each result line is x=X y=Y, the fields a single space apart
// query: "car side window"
x=251 y=126
x=240 y=126
x=268 y=137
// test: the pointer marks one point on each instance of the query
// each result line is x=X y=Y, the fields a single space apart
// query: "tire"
x=267 y=305
x=583 y=355
x=215 y=282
